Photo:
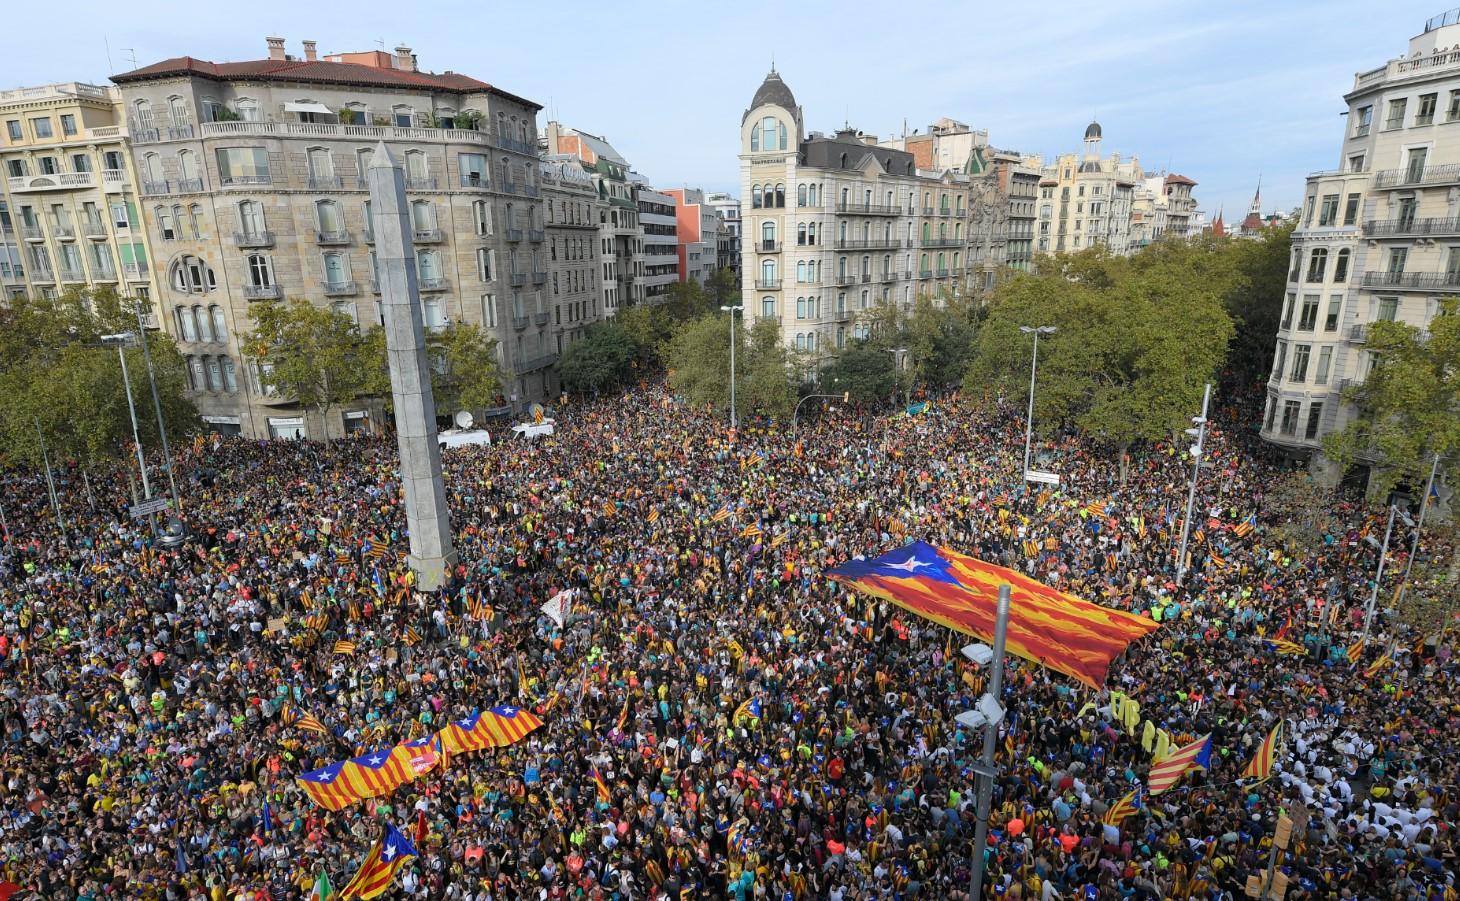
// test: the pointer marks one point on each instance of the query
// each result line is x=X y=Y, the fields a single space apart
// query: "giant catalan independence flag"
x=1048 y=627
x=341 y=784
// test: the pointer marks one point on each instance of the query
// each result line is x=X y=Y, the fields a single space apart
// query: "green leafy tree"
x=864 y=370
x=1136 y=340
x=1256 y=299
x=600 y=360
x=720 y=289
x=317 y=356
x=765 y=378
x=58 y=380
x=939 y=340
x=699 y=365
x=464 y=371
x=1302 y=509
x=649 y=328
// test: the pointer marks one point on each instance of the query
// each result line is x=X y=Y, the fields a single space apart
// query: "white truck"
x=531 y=430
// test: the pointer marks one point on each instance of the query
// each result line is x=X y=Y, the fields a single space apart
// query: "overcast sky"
x=1218 y=91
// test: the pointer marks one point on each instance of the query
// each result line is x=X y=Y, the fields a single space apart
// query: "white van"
x=531 y=430
x=464 y=438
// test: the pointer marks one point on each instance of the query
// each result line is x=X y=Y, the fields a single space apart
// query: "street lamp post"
x=1036 y=331
x=990 y=714
x=1379 y=572
x=50 y=482
x=732 y=310
x=121 y=341
x=157 y=408
x=1200 y=434
x=1424 y=505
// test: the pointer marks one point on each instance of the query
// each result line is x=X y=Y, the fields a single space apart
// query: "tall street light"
x=732 y=310
x=1197 y=450
x=157 y=407
x=121 y=340
x=1036 y=331
x=987 y=715
x=1379 y=573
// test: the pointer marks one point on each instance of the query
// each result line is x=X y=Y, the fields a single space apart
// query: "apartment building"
x=697 y=229
x=1377 y=238
x=1085 y=199
x=838 y=224
x=1018 y=185
x=253 y=187
x=727 y=208
x=69 y=210
x=620 y=236
x=571 y=213
x=660 y=225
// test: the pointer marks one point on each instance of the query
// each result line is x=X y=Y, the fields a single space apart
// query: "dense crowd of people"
x=146 y=753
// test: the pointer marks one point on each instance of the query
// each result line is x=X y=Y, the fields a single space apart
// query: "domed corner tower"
x=772 y=123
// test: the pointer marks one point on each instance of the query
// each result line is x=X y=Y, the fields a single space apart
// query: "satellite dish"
x=463 y=419
x=536 y=410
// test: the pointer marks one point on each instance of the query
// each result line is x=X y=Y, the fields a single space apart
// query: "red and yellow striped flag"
x=1355 y=651
x=653 y=515
x=1122 y=809
x=1168 y=771
x=344 y=647
x=604 y=795
x=1260 y=767
x=1373 y=670
x=722 y=514
x=751 y=531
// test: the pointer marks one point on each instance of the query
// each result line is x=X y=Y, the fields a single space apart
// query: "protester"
x=145 y=755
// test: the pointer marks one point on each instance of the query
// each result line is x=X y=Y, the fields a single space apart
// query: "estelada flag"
x=1168 y=771
x=1355 y=651
x=1122 y=809
x=1046 y=626
x=379 y=867
x=1260 y=767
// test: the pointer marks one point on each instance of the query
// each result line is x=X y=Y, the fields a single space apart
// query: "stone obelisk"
x=432 y=555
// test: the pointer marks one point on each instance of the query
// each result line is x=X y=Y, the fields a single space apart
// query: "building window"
x=489 y=310
x=1425 y=114
x=243 y=165
x=755 y=197
x=768 y=307
x=260 y=271
x=1356 y=164
x=186 y=325
x=484 y=264
x=336 y=269
x=1317 y=263
x=1395 y=116
x=1330 y=321
x=12 y=127
x=1315 y=416
x=1290 y=417
x=251 y=218
x=1328 y=213
x=1388 y=309
x=1301 y=353
x=41 y=128
x=1325 y=360
x=403 y=116
x=481 y=217
x=1340 y=266
x=473 y=169
x=1309 y=316
x=1351 y=210
x=193 y=276
x=1281 y=361
x=220 y=327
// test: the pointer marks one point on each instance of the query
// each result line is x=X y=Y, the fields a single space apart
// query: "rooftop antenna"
x=773 y=62
x=131 y=55
x=110 y=69
x=381 y=42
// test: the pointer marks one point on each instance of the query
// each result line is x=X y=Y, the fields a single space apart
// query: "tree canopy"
x=599 y=361
x=313 y=354
x=699 y=365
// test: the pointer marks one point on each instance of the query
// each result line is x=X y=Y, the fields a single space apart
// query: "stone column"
x=427 y=521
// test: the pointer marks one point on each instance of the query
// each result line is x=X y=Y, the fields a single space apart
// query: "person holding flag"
x=392 y=852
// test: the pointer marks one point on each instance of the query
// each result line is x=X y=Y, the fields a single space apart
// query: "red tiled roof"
x=1178 y=180
x=319 y=72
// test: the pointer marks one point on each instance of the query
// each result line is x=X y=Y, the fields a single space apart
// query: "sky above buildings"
x=1220 y=92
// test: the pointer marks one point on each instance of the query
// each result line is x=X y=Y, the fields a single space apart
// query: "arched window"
x=956 y=255
x=428 y=264
x=780 y=195
x=958 y=230
x=801 y=195
x=327 y=214
x=191 y=275
x=247 y=108
x=941 y=267
x=415 y=165
x=843 y=165
x=1340 y=265
x=142 y=112
x=1317 y=263
x=177 y=107
x=942 y=230
x=811 y=233
x=187 y=164
x=195 y=219
x=768 y=307
x=813 y=194
x=927 y=231
x=800 y=308
x=220 y=327
x=768 y=234
x=801 y=233
x=755 y=137
x=782 y=127
x=768 y=271
x=336 y=269
x=924 y=266
x=403 y=116
x=866 y=265
x=187 y=327
x=152 y=168
x=755 y=197
x=423 y=216
x=321 y=166
x=801 y=271
x=801 y=341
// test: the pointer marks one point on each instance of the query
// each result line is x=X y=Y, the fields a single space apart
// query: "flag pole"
x=986 y=769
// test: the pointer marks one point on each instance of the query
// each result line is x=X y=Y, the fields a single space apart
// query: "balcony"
x=514 y=234
x=842 y=281
x=114 y=180
x=262 y=292
x=60 y=181
x=253 y=239
x=190 y=186
x=433 y=284
x=869 y=244
x=32 y=233
x=476 y=180
x=841 y=316
x=906 y=274
x=64 y=232
x=768 y=284
x=340 y=289
x=517 y=279
x=515 y=146
x=925 y=273
x=43 y=275
x=92 y=227
x=331 y=237
x=1415 y=176
x=539 y=278
x=244 y=181
x=866 y=278
x=521 y=322
x=941 y=242
x=156 y=187
x=104 y=275
x=887 y=275
x=869 y=209
x=539 y=319
x=420 y=184
x=1412 y=281
x=325 y=183
x=768 y=246
x=72 y=275
x=536 y=234
x=536 y=363
x=426 y=236
x=137 y=271
x=1358 y=333
x=1393 y=228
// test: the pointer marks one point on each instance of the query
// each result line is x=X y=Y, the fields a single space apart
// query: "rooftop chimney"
x=276 y=48
x=310 y=54
x=404 y=59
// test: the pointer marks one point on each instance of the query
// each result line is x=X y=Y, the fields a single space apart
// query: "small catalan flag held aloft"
x=1217 y=559
x=1245 y=527
x=1374 y=668
x=604 y=795
x=721 y=514
x=344 y=647
x=1260 y=767
x=653 y=516
x=780 y=539
x=1095 y=508
x=1355 y=651
x=755 y=459
x=411 y=636
x=608 y=508
x=751 y=531
x=1122 y=809
x=1283 y=646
